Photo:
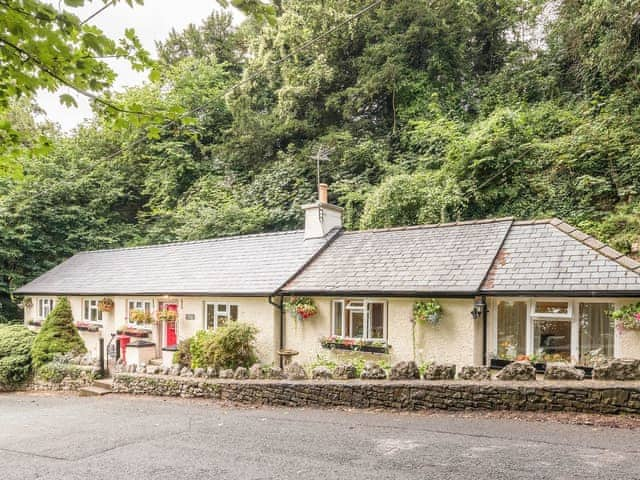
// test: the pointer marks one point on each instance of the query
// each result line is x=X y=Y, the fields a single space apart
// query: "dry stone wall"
x=585 y=396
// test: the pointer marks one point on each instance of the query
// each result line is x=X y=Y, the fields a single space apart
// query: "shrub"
x=15 y=354
x=230 y=346
x=57 y=335
x=183 y=354
x=60 y=368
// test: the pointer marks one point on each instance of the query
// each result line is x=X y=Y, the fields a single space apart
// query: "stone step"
x=155 y=361
x=105 y=383
x=93 y=391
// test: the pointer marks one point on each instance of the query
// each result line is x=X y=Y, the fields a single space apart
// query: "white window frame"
x=45 y=304
x=574 y=304
x=143 y=301
x=217 y=313
x=93 y=305
x=367 y=324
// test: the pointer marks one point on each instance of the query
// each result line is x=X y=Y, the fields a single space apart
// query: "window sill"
x=88 y=326
x=355 y=346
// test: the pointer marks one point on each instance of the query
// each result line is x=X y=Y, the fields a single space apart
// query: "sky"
x=151 y=21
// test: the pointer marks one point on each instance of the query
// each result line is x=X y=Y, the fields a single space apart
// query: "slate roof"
x=551 y=256
x=492 y=257
x=438 y=259
x=242 y=265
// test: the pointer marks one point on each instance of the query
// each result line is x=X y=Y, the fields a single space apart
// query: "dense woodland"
x=423 y=111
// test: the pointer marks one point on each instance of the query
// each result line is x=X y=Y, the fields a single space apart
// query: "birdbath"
x=287 y=354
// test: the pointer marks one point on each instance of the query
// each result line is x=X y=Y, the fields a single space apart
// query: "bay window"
x=573 y=330
x=359 y=319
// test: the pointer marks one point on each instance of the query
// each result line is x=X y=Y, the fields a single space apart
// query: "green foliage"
x=230 y=346
x=15 y=354
x=182 y=356
x=59 y=368
x=429 y=311
x=628 y=316
x=429 y=112
x=58 y=335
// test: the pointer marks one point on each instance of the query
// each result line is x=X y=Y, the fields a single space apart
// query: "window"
x=512 y=329
x=596 y=331
x=552 y=309
x=90 y=311
x=358 y=319
x=144 y=305
x=218 y=314
x=552 y=339
x=45 y=305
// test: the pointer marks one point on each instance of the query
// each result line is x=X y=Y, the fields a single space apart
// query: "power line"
x=98 y=12
x=251 y=77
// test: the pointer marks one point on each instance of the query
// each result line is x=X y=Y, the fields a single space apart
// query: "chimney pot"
x=323 y=193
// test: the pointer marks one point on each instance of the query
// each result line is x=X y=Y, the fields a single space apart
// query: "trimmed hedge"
x=15 y=354
x=58 y=335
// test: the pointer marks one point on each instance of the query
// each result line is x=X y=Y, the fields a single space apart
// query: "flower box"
x=35 y=323
x=355 y=345
x=88 y=327
x=134 y=332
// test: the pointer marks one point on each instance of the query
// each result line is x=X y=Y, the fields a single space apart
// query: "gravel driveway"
x=68 y=437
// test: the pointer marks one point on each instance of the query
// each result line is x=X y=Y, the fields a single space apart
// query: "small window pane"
x=552 y=339
x=233 y=312
x=376 y=320
x=512 y=328
x=557 y=308
x=210 y=316
x=222 y=307
x=337 y=318
x=86 y=309
x=357 y=323
x=222 y=320
x=596 y=332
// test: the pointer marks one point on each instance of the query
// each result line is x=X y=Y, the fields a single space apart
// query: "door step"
x=93 y=391
x=156 y=362
x=105 y=383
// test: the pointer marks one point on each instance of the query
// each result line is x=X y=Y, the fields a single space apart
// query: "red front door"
x=170 y=336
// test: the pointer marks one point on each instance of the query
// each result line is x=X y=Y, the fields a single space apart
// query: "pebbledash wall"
x=254 y=310
x=456 y=339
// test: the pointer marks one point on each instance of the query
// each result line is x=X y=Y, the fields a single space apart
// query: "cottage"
x=488 y=289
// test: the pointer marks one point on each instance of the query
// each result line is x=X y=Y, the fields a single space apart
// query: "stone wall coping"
x=547 y=384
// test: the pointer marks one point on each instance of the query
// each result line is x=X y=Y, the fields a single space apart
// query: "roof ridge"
x=193 y=242
x=433 y=225
x=595 y=244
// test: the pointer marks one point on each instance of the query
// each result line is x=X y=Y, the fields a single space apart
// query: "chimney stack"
x=323 y=193
x=320 y=217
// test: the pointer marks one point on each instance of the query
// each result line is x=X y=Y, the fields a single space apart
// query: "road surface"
x=116 y=436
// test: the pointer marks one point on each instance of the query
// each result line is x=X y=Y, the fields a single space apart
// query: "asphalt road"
x=113 y=437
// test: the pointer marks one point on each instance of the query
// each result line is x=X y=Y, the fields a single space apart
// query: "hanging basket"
x=106 y=305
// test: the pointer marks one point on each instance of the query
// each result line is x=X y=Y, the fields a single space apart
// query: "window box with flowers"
x=133 y=332
x=301 y=307
x=627 y=317
x=334 y=342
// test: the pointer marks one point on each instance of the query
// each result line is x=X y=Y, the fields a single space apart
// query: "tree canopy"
x=429 y=111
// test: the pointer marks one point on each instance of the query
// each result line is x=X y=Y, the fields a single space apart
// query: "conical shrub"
x=57 y=335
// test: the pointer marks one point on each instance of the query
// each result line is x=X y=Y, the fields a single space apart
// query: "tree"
x=58 y=335
x=42 y=47
x=15 y=354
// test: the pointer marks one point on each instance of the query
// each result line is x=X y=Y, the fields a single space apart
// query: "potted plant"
x=627 y=317
x=302 y=307
x=106 y=305
x=430 y=312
